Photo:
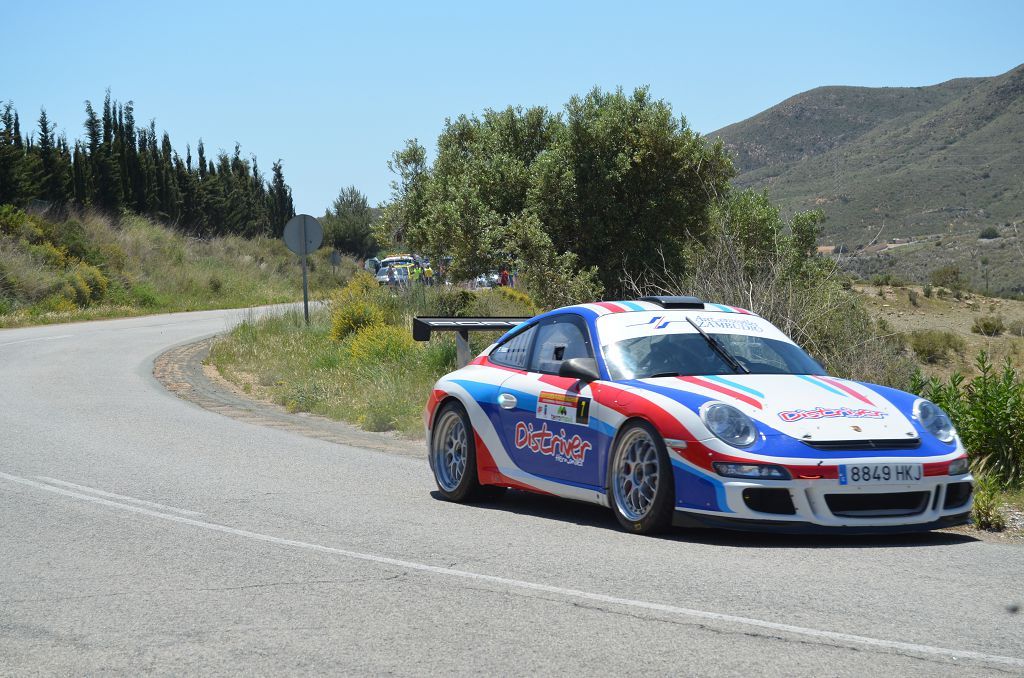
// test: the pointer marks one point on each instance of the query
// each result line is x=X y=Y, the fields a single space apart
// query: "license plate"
x=879 y=474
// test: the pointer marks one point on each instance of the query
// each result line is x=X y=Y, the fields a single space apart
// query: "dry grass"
x=146 y=268
x=374 y=376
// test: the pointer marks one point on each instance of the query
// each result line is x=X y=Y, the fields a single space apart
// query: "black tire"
x=450 y=437
x=640 y=483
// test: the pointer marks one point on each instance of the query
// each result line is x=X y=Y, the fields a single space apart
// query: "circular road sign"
x=303 y=234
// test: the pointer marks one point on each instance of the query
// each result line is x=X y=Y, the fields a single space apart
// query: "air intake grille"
x=876 y=444
x=877 y=505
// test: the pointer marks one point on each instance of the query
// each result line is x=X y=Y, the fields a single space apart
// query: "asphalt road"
x=140 y=533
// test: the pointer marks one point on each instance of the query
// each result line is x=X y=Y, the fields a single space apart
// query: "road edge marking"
x=114 y=495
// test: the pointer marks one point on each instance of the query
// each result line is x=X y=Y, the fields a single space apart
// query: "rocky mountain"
x=892 y=162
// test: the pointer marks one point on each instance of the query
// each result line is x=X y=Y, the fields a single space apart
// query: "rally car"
x=670 y=411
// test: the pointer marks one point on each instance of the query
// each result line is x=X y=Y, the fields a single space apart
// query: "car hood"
x=808 y=408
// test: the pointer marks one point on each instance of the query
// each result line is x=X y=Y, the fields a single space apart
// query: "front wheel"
x=640 y=482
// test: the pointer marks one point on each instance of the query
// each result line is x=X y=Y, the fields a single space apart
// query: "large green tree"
x=600 y=187
x=347 y=224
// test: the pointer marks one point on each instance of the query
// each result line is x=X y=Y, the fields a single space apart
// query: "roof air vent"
x=675 y=302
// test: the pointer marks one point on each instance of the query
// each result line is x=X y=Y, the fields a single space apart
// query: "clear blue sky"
x=333 y=89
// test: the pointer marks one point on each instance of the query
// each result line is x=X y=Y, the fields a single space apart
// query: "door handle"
x=507 y=401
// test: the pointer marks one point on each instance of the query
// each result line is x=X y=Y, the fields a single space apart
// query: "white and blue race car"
x=670 y=410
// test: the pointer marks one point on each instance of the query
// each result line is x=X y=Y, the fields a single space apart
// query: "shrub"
x=447 y=301
x=215 y=284
x=375 y=345
x=948 y=276
x=55 y=303
x=146 y=295
x=882 y=279
x=352 y=315
x=94 y=279
x=1015 y=328
x=912 y=297
x=77 y=289
x=356 y=305
x=987 y=413
x=989 y=233
x=927 y=291
x=49 y=254
x=932 y=346
x=112 y=257
x=988 y=325
x=986 y=513
x=495 y=303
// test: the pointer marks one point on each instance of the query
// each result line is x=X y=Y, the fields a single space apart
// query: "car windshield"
x=668 y=345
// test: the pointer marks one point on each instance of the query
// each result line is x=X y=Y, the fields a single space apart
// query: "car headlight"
x=934 y=420
x=959 y=467
x=729 y=424
x=759 y=471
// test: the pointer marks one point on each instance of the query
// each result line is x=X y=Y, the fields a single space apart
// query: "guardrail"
x=422 y=328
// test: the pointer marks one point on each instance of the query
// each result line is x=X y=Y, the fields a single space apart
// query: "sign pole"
x=303 y=235
x=305 y=276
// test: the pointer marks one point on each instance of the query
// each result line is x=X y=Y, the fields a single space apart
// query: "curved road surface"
x=140 y=533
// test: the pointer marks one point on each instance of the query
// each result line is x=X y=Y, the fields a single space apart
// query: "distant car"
x=401 y=275
x=670 y=410
x=487 y=280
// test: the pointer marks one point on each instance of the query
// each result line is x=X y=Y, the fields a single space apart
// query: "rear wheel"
x=453 y=456
x=640 y=482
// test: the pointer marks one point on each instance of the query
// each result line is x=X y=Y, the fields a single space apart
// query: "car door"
x=546 y=418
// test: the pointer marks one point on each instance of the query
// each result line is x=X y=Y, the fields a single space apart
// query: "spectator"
x=504 y=277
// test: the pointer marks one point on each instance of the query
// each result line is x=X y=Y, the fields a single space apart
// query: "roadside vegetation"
x=90 y=266
x=987 y=411
x=357 y=361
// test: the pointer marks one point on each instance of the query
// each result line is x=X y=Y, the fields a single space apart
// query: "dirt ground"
x=949 y=314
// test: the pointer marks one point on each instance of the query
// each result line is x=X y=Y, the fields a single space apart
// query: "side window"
x=560 y=338
x=515 y=350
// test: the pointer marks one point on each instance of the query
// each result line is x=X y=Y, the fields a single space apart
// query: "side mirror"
x=584 y=369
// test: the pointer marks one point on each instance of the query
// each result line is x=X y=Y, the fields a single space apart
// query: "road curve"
x=140 y=533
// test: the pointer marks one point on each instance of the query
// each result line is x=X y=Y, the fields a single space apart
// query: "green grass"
x=375 y=375
x=90 y=267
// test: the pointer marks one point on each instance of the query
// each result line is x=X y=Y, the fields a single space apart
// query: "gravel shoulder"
x=181 y=371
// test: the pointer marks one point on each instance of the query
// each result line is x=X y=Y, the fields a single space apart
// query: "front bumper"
x=721 y=521
x=823 y=506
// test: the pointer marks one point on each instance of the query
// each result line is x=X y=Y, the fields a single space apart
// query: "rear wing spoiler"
x=422 y=328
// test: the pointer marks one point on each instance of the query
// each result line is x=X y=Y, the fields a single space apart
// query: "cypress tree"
x=51 y=182
x=280 y=201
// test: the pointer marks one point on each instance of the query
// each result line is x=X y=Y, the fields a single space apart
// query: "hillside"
x=899 y=161
x=88 y=266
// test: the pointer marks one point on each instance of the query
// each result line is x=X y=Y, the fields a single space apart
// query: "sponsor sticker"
x=563 y=448
x=703 y=321
x=563 y=408
x=832 y=413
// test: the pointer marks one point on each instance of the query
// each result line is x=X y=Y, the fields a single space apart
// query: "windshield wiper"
x=719 y=349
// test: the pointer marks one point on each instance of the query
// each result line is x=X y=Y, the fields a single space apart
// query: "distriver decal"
x=563 y=408
x=832 y=413
x=569 y=450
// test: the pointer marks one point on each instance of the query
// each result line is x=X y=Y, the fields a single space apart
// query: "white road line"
x=840 y=638
x=26 y=341
x=132 y=500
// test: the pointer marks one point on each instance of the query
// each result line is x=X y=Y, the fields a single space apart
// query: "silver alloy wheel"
x=450 y=450
x=636 y=472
